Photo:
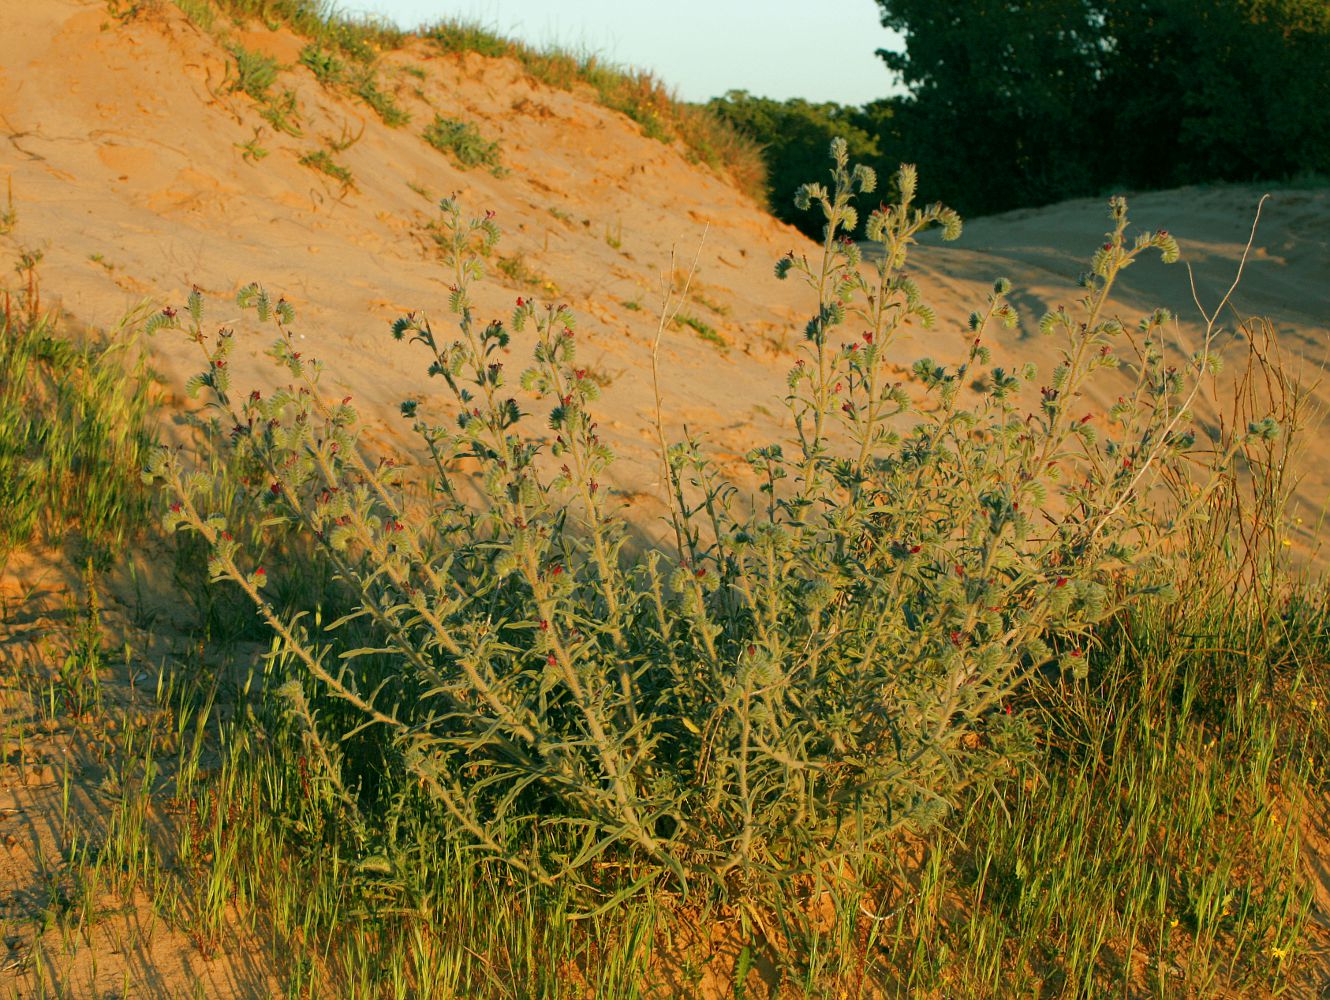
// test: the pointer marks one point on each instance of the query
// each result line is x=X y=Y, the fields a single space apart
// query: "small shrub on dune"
x=807 y=671
x=464 y=142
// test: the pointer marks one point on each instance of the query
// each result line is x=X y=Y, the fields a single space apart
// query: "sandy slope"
x=122 y=141
x=123 y=147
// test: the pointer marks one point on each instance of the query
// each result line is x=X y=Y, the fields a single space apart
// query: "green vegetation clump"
x=703 y=329
x=794 y=134
x=799 y=680
x=75 y=421
x=639 y=95
x=361 y=80
x=327 y=68
x=322 y=161
x=464 y=142
x=1069 y=97
x=254 y=73
x=360 y=38
x=367 y=88
x=957 y=693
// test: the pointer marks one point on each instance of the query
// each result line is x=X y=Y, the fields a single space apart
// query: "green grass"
x=75 y=420
x=464 y=143
x=360 y=80
x=366 y=87
x=322 y=161
x=358 y=38
x=703 y=329
x=252 y=73
x=639 y=95
x=327 y=68
x=705 y=136
x=1138 y=834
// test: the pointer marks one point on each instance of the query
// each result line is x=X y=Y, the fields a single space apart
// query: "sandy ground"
x=124 y=149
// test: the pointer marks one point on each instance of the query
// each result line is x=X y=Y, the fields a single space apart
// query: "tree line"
x=1014 y=103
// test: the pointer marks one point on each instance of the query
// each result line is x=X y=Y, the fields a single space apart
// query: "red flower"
x=176 y=507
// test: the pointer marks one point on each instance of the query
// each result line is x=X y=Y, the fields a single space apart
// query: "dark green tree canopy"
x=1019 y=102
x=796 y=134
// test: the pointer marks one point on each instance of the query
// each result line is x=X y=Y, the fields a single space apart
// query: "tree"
x=1001 y=92
x=1236 y=90
x=1019 y=102
x=795 y=136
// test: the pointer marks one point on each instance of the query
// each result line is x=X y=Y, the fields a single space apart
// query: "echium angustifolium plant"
x=791 y=686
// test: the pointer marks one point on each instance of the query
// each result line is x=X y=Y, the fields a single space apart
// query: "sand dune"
x=125 y=149
x=134 y=172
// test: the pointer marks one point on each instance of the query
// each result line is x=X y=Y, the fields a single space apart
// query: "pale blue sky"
x=821 y=50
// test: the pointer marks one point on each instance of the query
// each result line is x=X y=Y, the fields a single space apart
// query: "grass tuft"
x=703 y=329
x=464 y=143
x=322 y=161
x=706 y=137
x=75 y=425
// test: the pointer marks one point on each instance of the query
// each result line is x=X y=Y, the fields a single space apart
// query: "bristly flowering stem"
x=802 y=674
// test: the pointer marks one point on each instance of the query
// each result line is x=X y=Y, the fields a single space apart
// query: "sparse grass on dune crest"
x=640 y=95
x=361 y=38
x=706 y=137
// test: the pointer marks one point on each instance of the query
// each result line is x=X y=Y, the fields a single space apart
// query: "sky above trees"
x=773 y=48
